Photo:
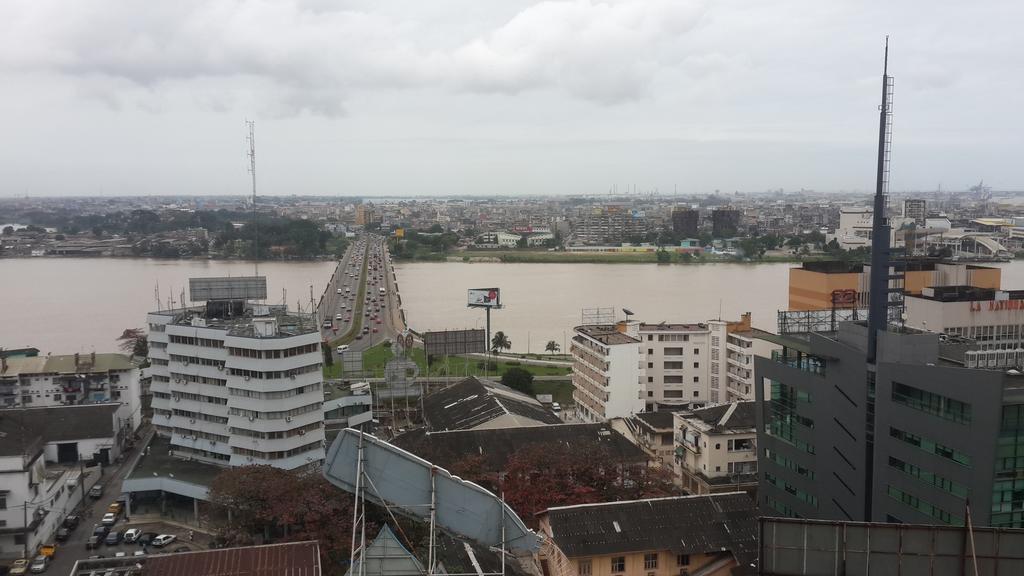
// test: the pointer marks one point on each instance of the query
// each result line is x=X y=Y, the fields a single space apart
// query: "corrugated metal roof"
x=684 y=525
x=290 y=559
x=65 y=364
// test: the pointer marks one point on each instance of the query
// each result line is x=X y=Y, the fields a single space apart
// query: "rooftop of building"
x=158 y=460
x=704 y=524
x=239 y=320
x=962 y=293
x=912 y=264
x=660 y=420
x=291 y=558
x=608 y=334
x=65 y=364
x=496 y=446
x=25 y=427
x=672 y=327
x=725 y=418
x=476 y=401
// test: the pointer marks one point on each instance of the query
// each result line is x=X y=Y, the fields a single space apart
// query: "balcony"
x=800 y=361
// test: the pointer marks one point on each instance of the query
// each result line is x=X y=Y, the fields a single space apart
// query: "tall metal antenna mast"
x=878 y=307
x=255 y=222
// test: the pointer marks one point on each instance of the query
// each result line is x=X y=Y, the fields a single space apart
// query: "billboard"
x=351 y=361
x=453 y=342
x=228 y=288
x=485 y=297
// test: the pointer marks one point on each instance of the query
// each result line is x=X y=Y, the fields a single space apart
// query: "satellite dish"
x=627 y=311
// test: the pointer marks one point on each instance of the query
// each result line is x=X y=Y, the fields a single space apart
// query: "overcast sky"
x=416 y=97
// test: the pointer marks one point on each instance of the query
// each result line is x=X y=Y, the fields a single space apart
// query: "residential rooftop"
x=14 y=366
x=706 y=524
x=290 y=558
x=474 y=402
x=33 y=426
x=725 y=418
x=607 y=334
x=497 y=445
x=669 y=327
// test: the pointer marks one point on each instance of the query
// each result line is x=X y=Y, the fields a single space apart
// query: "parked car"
x=71 y=522
x=62 y=534
x=113 y=538
x=40 y=564
x=115 y=508
x=109 y=519
x=101 y=531
x=20 y=566
x=146 y=538
x=96 y=491
x=93 y=542
x=163 y=540
x=556 y=407
x=131 y=535
x=342 y=348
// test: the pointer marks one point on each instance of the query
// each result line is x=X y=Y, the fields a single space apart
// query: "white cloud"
x=314 y=57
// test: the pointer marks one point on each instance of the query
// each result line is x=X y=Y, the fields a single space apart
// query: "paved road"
x=74 y=548
x=332 y=301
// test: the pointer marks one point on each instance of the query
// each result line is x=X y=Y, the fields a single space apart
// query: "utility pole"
x=255 y=221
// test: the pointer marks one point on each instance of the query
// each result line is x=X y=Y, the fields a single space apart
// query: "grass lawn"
x=560 y=390
x=375 y=358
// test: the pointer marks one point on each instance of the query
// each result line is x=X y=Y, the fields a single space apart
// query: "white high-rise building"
x=606 y=372
x=675 y=363
x=238 y=389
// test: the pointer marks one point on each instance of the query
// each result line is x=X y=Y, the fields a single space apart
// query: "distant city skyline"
x=458 y=97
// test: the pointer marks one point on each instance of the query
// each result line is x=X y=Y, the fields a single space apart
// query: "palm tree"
x=552 y=346
x=500 y=342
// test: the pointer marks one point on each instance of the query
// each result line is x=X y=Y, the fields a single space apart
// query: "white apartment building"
x=716 y=448
x=680 y=365
x=238 y=391
x=731 y=367
x=606 y=373
x=675 y=363
x=70 y=379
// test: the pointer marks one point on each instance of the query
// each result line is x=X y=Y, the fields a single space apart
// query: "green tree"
x=519 y=379
x=552 y=346
x=500 y=342
x=663 y=257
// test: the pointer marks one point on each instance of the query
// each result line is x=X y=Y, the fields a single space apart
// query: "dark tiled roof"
x=497 y=445
x=54 y=424
x=660 y=419
x=293 y=559
x=683 y=525
x=474 y=402
x=742 y=417
x=606 y=334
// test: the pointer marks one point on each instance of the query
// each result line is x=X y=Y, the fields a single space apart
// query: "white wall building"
x=716 y=448
x=238 y=391
x=70 y=379
x=731 y=368
x=606 y=374
x=507 y=240
x=675 y=363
